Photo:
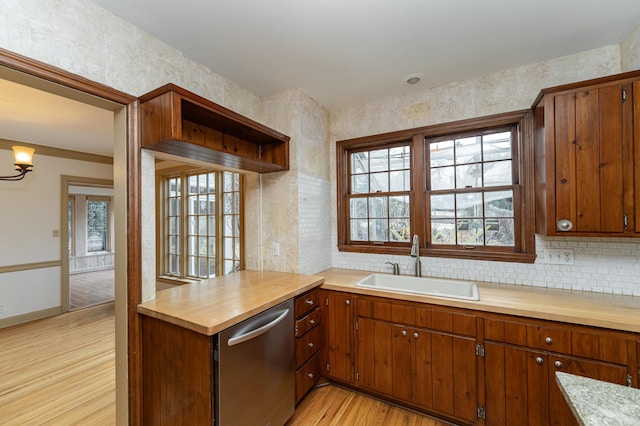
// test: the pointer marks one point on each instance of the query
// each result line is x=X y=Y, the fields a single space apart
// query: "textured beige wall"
x=630 y=51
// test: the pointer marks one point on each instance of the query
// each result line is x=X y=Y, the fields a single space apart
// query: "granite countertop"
x=616 y=312
x=596 y=403
x=210 y=306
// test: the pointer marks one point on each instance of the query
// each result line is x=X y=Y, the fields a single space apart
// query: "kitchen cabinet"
x=307 y=331
x=584 y=158
x=178 y=122
x=522 y=357
x=338 y=336
x=425 y=357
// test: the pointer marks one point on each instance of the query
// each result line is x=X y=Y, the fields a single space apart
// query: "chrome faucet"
x=396 y=268
x=415 y=252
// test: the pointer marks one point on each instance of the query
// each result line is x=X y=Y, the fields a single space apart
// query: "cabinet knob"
x=558 y=364
x=416 y=335
x=348 y=302
x=564 y=225
x=539 y=360
x=310 y=344
x=310 y=375
x=309 y=302
x=404 y=332
x=312 y=321
x=549 y=340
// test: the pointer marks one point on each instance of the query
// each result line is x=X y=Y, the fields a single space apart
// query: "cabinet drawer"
x=307 y=376
x=307 y=322
x=307 y=345
x=547 y=338
x=306 y=303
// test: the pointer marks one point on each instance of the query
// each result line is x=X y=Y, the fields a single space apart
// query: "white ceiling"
x=345 y=52
x=340 y=52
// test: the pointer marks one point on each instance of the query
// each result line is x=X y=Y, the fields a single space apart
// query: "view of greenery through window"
x=97 y=225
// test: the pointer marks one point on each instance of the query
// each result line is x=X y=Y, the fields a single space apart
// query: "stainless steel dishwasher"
x=255 y=370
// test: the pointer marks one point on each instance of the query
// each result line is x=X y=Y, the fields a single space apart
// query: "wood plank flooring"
x=59 y=370
x=333 y=405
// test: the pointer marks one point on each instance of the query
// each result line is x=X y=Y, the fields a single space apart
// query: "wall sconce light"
x=23 y=160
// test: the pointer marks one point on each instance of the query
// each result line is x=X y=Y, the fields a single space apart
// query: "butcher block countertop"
x=594 y=309
x=208 y=307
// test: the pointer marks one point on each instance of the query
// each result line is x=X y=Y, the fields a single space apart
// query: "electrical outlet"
x=56 y=233
x=559 y=256
x=275 y=249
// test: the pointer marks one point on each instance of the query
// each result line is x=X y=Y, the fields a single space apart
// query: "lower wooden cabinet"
x=307 y=334
x=338 y=333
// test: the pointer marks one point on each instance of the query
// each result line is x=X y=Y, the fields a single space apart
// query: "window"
x=464 y=188
x=200 y=237
x=97 y=224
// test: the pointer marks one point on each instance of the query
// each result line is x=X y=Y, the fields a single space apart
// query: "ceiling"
x=340 y=52
x=346 y=52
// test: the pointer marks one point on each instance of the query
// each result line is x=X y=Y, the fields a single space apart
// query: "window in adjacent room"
x=98 y=224
x=201 y=224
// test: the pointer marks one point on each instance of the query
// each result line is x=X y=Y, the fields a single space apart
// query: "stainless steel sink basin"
x=440 y=287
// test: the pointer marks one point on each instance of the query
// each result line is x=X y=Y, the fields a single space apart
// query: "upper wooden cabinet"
x=584 y=157
x=178 y=122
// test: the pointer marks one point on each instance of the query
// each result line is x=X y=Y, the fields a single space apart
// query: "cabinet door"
x=516 y=382
x=375 y=354
x=589 y=143
x=454 y=375
x=338 y=335
x=560 y=413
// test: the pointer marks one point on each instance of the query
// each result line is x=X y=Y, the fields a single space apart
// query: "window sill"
x=444 y=253
x=176 y=281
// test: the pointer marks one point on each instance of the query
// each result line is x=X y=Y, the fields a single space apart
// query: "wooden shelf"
x=178 y=122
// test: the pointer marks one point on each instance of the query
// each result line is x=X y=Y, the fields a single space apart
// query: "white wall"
x=30 y=214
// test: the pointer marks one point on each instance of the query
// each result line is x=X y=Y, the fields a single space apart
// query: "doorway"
x=90 y=249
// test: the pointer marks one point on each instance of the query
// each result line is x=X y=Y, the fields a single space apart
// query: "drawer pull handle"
x=310 y=375
x=309 y=302
x=404 y=332
x=416 y=335
x=558 y=364
x=549 y=340
x=311 y=321
x=310 y=344
x=539 y=360
x=348 y=302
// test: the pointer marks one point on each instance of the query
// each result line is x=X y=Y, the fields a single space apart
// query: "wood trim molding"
x=59 y=152
x=30 y=266
x=31 y=316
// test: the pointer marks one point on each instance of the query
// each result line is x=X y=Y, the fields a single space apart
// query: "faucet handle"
x=396 y=267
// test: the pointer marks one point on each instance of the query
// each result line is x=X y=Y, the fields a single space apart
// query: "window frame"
x=524 y=221
x=162 y=177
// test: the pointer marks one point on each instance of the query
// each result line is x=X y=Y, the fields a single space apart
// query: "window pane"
x=442 y=206
x=498 y=204
x=360 y=184
x=228 y=266
x=379 y=182
x=228 y=226
x=378 y=207
x=378 y=230
x=97 y=225
x=202 y=246
x=399 y=230
x=359 y=229
x=443 y=231
x=358 y=208
x=212 y=225
x=228 y=203
x=499 y=232
x=399 y=206
x=468 y=150
x=359 y=162
x=497 y=173
x=441 y=153
x=470 y=231
x=212 y=267
x=400 y=181
x=496 y=146
x=442 y=178
x=469 y=176
x=379 y=160
x=202 y=225
x=469 y=205
x=399 y=158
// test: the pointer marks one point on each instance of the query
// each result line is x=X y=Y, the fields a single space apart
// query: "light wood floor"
x=60 y=370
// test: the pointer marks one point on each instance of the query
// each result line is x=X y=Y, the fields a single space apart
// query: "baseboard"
x=31 y=316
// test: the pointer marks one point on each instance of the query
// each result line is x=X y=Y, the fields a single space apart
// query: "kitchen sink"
x=439 y=287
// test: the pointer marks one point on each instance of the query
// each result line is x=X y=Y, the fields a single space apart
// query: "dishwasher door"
x=255 y=370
